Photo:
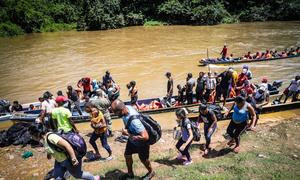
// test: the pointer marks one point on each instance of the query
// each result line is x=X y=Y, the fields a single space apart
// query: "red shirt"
x=241 y=79
x=224 y=51
x=85 y=83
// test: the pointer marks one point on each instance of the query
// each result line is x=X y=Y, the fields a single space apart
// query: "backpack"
x=195 y=130
x=75 y=140
x=152 y=127
x=217 y=110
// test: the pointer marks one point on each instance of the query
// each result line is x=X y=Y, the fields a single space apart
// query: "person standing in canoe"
x=201 y=80
x=210 y=90
x=239 y=122
x=225 y=84
x=106 y=78
x=169 y=87
x=224 y=52
x=133 y=93
x=74 y=98
x=190 y=83
x=47 y=106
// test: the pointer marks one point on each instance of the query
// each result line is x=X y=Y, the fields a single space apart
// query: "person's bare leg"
x=150 y=173
x=129 y=163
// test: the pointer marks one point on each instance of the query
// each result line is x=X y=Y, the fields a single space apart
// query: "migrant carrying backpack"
x=195 y=130
x=217 y=110
x=75 y=140
x=152 y=127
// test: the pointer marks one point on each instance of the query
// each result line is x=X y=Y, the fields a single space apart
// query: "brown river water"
x=34 y=63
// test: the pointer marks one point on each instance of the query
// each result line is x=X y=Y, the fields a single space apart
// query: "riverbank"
x=270 y=152
x=27 y=16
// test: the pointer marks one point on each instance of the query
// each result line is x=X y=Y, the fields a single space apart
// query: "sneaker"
x=148 y=176
x=187 y=162
x=109 y=158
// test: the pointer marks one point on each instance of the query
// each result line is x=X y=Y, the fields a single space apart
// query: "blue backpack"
x=75 y=140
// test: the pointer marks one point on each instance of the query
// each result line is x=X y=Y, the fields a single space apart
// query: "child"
x=99 y=125
x=183 y=145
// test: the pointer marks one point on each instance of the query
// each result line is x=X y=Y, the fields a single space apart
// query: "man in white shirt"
x=211 y=84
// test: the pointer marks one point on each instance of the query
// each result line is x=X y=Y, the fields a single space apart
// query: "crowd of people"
x=268 y=54
x=102 y=98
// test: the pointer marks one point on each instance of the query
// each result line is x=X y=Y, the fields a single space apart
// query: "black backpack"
x=75 y=140
x=195 y=130
x=152 y=127
x=217 y=110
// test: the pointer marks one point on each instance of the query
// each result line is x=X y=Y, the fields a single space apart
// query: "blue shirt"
x=240 y=115
x=135 y=127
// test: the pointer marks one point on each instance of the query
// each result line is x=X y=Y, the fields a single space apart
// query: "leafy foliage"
x=57 y=15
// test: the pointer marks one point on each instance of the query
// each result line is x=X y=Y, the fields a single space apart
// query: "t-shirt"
x=95 y=123
x=190 y=85
x=48 y=105
x=135 y=127
x=211 y=83
x=200 y=84
x=294 y=85
x=62 y=116
x=73 y=95
x=225 y=80
x=185 y=126
x=241 y=79
x=87 y=84
x=169 y=85
x=58 y=156
x=206 y=118
x=224 y=52
x=101 y=103
x=106 y=78
x=17 y=108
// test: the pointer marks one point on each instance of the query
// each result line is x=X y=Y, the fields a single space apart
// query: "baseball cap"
x=60 y=99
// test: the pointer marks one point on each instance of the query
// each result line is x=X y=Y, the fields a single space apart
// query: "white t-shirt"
x=48 y=106
x=294 y=85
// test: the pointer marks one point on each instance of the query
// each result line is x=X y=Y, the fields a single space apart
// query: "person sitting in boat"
x=298 y=50
x=231 y=58
x=113 y=90
x=263 y=55
x=106 y=78
x=248 y=56
x=224 y=52
x=181 y=97
x=248 y=87
x=276 y=54
x=284 y=53
x=133 y=93
x=268 y=55
x=85 y=83
x=257 y=56
x=31 y=107
x=16 y=107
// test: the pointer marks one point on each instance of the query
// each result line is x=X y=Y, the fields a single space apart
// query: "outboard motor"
x=4 y=106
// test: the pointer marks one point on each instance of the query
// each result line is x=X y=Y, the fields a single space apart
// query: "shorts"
x=224 y=92
x=142 y=151
x=134 y=100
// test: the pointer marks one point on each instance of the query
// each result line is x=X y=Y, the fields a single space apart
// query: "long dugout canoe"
x=204 y=63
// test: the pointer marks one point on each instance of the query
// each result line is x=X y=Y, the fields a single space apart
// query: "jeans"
x=207 y=134
x=185 y=152
x=103 y=140
x=76 y=171
x=189 y=97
